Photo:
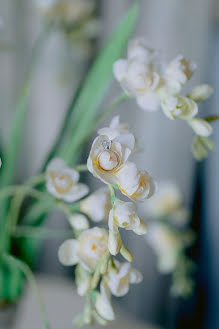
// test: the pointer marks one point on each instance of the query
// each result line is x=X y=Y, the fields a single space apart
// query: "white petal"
x=77 y=192
x=119 y=69
x=56 y=165
x=141 y=229
x=67 y=253
x=128 y=178
x=149 y=102
x=127 y=140
x=115 y=121
x=103 y=304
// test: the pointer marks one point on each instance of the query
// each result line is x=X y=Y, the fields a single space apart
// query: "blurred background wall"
x=184 y=26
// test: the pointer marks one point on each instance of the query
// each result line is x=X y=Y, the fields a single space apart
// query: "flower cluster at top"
x=169 y=237
x=75 y=17
x=98 y=274
x=156 y=84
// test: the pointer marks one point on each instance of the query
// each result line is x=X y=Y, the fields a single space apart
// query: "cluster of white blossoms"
x=154 y=84
x=76 y=18
x=98 y=274
x=169 y=237
x=66 y=11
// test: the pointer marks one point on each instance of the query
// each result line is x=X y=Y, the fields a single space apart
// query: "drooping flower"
x=135 y=184
x=103 y=303
x=178 y=72
x=123 y=215
x=179 y=106
x=62 y=182
x=119 y=278
x=97 y=205
x=87 y=250
x=108 y=161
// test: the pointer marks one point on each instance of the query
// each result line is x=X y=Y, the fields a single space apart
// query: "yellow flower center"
x=63 y=183
x=108 y=161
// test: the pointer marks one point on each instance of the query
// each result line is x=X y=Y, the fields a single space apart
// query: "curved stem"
x=119 y=100
x=112 y=192
x=30 y=277
x=82 y=167
x=40 y=233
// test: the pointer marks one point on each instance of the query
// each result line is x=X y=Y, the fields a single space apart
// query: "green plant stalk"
x=10 y=157
x=40 y=233
x=30 y=277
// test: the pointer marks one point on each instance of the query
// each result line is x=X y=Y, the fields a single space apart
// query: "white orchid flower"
x=179 y=106
x=108 y=161
x=103 y=303
x=201 y=127
x=87 y=250
x=107 y=156
x=119 y=278
x=123 y=215
x=178 y=72
x=138 y=80
x=135 y=184
x=140 y=48
x=66 y=11
x=116 y=129
x=62 y=182
x=97 y=205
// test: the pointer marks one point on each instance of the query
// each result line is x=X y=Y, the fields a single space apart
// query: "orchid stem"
x=119 y=100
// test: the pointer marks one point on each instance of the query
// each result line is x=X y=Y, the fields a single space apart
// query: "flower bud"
x=114 y=242
x=201 y=93
x=126 y=253
x=201 y=127
x=79 y=222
